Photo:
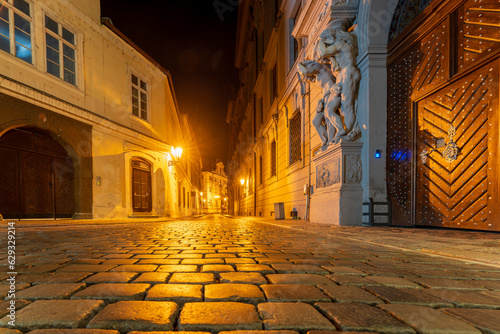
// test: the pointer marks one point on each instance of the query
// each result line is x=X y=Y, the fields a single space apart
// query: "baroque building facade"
x=87 y=120
x=424 y=140
x=214 y=190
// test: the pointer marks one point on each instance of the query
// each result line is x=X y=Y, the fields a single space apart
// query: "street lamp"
x=242 y=181
x=175 y=155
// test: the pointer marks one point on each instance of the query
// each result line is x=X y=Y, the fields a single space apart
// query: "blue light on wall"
x=378 y=154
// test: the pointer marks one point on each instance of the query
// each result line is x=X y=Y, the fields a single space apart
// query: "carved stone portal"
x=334 y=71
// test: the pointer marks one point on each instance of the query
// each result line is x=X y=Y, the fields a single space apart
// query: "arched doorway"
x=37 y=179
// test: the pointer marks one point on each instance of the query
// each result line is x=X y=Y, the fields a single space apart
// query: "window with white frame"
x=139 y=97
x=15 y=29
x=295 y=143
x=60 y=51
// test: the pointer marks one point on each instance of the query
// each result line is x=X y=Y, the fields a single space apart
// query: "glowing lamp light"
x=201 y=193
x=175 y=154
x=242 y=181
x=378 y=154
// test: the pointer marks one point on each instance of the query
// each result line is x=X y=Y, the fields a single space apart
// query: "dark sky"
x=194 y=40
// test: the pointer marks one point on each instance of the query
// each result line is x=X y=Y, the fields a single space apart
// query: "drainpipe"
x=308 y=190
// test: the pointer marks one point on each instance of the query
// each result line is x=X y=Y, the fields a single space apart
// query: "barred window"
x=273 y=158
x=295 y=147
x=15 y=29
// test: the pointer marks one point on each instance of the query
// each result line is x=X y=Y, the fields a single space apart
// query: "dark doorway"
x=141 y=186
x=37 y=176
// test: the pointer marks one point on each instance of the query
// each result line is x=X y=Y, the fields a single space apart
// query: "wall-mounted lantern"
x=175 y=155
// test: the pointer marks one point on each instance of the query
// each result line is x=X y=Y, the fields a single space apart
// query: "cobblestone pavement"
x=217 y=274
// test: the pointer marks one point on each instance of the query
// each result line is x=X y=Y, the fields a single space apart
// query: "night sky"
x=195 y=42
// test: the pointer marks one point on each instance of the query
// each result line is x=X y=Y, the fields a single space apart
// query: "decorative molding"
x=328 y=173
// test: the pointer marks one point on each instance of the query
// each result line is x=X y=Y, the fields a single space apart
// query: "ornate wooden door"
x=443 y=129
x=37 y=185
x=456 y=153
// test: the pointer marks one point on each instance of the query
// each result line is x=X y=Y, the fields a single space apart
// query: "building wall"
x=101 y=99
x=214 y=189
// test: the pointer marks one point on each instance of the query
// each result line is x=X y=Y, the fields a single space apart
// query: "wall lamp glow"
x=378 y=154
x=242 y=181
x=175 y=154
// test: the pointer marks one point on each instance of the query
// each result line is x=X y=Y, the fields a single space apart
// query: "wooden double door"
x=37 y=176
x=443 y=119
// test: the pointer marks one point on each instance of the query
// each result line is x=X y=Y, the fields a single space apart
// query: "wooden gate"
x=37 y=176
x=141 y=186
x=443 y=129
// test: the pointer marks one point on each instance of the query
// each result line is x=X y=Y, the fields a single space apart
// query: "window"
x=15 y=29
x=294 y=44
x=139 y=98
x=273 y=158
x=295 y=143
x=60 y=51
x=274 y=84
x=261 y=177
x=261 y=109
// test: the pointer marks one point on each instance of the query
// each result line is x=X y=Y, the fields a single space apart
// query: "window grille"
x=295 y=143
x=273 y=158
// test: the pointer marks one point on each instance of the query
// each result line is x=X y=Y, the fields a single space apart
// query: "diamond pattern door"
x=457 y=139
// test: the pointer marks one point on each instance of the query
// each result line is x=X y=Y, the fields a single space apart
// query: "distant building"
x=427 y=112
x=87 y=120
x=214 y=198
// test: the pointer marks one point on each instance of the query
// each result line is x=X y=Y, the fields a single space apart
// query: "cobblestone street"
x=217 y=274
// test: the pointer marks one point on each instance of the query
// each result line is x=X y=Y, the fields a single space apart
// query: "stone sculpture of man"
x=338 y=47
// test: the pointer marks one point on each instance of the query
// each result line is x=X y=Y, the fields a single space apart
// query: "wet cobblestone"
x=216 y=274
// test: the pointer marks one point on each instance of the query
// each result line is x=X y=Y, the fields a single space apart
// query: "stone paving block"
x=245 y=293
x=299 y=268
x=338 y=270
x=491 y=285
x=446 y=283
x=351 y=280
x=126 y=316
x=152 y=278
x=331 y=332
x=117 y=256
x=293 y=293
x=437 y=273
x=120 y=261
x=362 y=317
x=167 y=332
x=179 y=293
x=272 y=261
x=408 y=296
x=216 y=268
x=38 y=269
x=138 y=268
x=203 y=261
x=179 y=268
x=485 y=320
x=350 y=294
x=192 y=278
x=149 y=256
x=5 y=288
x=50 y=291
x=186 y=256
x=240 y=261
x=428 y=320
x=396 y=282
x=467 y=299
x=88 y=268
x=111 y=277
x=5 y=305
x=159 y=261
x=216 y=317
x=316 y=262
x=9 y=331
x=242 y=278
x=55 y=314
x=73 y=331
x=311 y=279
x=261 y=268
x=112 y=292
x=259 y=332
x=292 y=316
x=387 y=272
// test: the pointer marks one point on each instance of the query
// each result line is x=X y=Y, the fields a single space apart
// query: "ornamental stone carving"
x=334 y=71
x=353 y=170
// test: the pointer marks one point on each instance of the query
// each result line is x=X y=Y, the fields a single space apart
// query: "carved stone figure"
x=327 y=121
x=338 y=47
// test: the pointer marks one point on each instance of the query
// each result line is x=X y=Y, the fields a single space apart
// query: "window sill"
x=140 y=120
